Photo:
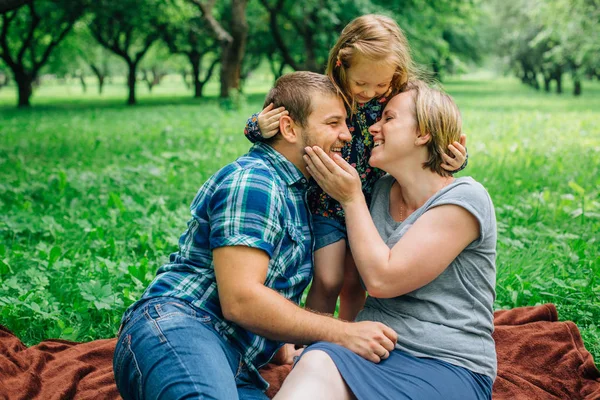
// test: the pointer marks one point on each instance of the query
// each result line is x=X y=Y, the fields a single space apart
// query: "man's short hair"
x=294 y=90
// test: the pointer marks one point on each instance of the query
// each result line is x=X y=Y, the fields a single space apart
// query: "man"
x=228 y=299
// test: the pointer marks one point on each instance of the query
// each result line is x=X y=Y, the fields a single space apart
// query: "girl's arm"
x=265 y=124
x=422 y=254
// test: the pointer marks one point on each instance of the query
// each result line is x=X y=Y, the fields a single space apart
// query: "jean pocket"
x=173 y=308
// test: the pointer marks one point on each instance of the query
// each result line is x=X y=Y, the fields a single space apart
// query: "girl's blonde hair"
x=377 y=38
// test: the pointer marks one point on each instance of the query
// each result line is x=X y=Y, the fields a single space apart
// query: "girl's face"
x=368 y=79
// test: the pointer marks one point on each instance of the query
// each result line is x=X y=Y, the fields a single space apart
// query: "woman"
x=426 y=257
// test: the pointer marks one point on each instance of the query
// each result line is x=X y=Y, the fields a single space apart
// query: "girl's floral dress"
x=356 y=152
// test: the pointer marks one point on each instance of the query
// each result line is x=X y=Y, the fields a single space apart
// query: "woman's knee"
x=316 y=362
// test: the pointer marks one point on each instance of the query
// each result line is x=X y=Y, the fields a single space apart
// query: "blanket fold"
x=539 y=357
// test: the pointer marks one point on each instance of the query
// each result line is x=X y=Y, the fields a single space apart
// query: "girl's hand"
x=268 y=120
x=335 y=176
x=460 y=155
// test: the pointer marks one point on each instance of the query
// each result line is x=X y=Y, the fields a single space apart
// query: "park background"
x=113 y=113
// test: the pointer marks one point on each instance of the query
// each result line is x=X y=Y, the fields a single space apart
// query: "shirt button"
x=303 y=180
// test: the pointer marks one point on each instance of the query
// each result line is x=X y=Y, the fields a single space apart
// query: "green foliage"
x=93 y=198
x=443 y=35
x=547 y=37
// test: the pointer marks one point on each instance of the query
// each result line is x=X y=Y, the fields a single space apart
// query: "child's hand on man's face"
x=268 y=120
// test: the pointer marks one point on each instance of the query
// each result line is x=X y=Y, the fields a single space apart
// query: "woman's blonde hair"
x=438 y=115
x=377 y=38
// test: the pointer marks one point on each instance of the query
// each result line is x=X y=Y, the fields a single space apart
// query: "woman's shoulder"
x=467 y=189
x=466 y=192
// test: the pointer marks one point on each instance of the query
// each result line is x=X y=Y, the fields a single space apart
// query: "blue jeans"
x=168 y=349
x=327 y=231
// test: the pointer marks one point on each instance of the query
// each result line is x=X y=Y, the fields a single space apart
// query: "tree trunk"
x=577 y=88
x=195 y=60
x=131 y=77
x=100 y=84
x=100 y=75
x=558 y=79
x=25 y=87
x=547 y=81
x=83 y=85
x=233 y=53
x=184 y=76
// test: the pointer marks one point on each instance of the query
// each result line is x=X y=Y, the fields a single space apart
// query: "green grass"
x=94 y=195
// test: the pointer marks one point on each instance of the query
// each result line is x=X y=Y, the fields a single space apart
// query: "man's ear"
x=288 y=129
x=422 y=140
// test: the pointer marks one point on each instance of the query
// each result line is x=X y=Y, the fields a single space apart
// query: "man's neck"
x=291 y=152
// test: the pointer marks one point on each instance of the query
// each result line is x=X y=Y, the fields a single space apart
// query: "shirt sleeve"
x=252 y=130
x=473 y=197
x=245 y=210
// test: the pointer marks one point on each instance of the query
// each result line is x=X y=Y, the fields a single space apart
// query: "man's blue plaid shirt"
x=257 y=201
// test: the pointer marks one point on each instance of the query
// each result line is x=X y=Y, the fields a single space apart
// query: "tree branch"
x=218 y=32
x=9 y=5
x=210 y=70
x=5 y=54
x=273 y=11
x=35 y=21
x=52 y=45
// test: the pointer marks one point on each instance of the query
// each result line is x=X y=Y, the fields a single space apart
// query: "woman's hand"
x=459 y=151
x=268 y=120
x=335 y=176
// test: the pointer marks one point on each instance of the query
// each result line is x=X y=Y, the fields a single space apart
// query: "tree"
x=4 y=79
x=232 y=41
x=549 y=37
x=573 y=28
x=30 y=34
x=441 y=33
x=127 y=28
x=303 y=32
x=188 y=34
x=9 y=5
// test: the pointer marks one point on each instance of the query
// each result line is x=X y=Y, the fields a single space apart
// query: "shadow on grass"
x=62 y=104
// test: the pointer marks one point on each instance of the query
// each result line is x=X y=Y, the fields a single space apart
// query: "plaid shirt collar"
x=290 y=174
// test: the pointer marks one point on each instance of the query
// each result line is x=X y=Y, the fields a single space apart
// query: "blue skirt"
x=402 y=376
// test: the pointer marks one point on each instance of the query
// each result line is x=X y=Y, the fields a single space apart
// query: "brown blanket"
x=538 y=358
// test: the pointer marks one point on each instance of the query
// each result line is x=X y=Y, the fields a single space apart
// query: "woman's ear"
x=288 y=129
x=423 y=139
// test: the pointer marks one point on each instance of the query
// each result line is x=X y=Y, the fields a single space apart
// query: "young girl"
x=370 y=62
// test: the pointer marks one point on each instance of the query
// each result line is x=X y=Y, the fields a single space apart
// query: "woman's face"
x=368 y=79
x=394 y=135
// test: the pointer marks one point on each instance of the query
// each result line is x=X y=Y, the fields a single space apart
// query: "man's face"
x=326 y=125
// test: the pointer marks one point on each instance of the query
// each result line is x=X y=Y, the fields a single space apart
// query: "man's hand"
x=371 y=340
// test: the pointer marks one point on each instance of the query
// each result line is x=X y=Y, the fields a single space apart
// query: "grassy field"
x=94 y=195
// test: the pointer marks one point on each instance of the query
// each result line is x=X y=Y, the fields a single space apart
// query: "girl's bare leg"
x=328 y=278
x=315 y=377
x=352 y=296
